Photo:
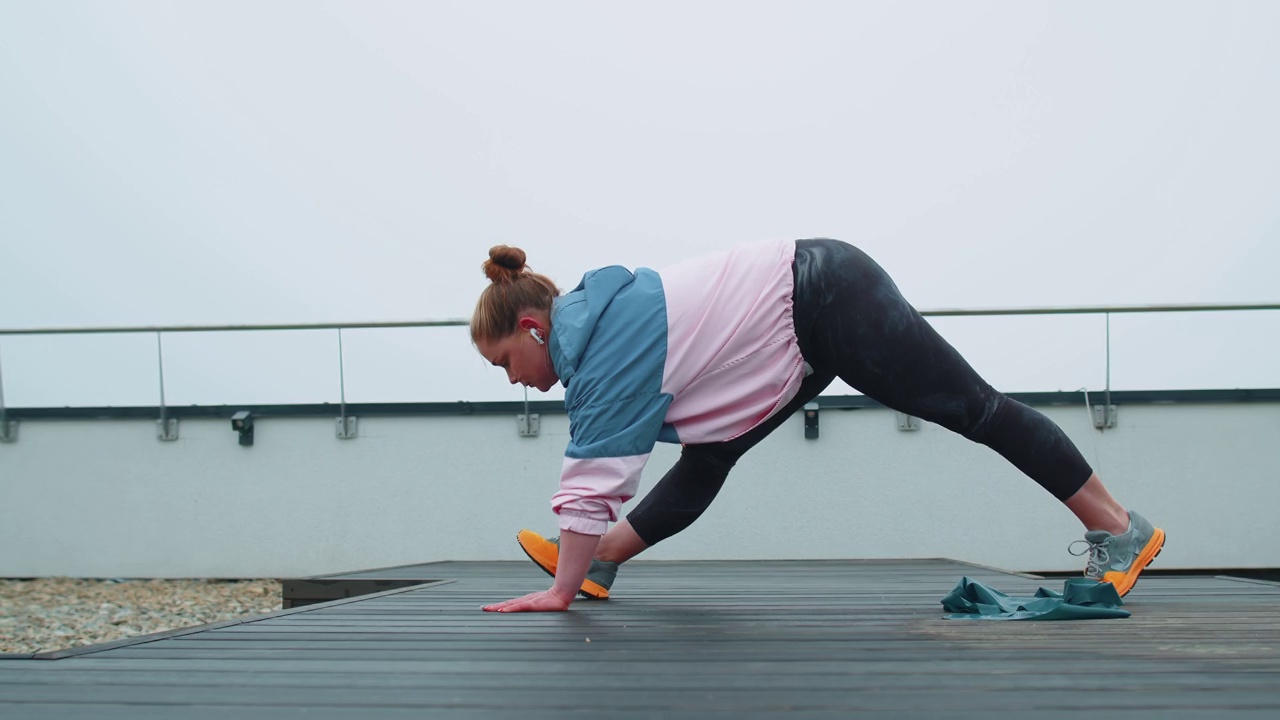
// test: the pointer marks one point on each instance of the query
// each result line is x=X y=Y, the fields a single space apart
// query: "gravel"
x=59 y=613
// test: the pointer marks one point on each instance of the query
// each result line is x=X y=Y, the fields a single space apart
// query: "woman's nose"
x=511 y=378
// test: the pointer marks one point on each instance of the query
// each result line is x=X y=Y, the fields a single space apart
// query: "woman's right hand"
x=545 y=601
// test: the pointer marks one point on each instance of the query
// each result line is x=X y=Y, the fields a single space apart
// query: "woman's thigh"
x=866 y=332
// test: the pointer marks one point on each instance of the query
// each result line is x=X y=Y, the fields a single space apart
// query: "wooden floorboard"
x=795 y=639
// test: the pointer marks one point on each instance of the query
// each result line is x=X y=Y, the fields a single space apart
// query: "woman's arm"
x=576 y=551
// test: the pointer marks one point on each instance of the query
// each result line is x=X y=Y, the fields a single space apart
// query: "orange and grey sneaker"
x=544 y=552
x=1120 y=559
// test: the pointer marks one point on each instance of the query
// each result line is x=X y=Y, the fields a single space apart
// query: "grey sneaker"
x=1120 y=559
x=545 y=552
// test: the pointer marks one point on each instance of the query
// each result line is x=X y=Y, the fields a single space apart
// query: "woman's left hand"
x=545 y=601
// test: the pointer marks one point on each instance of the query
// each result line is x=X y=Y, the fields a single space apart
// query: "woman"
x=715 y=353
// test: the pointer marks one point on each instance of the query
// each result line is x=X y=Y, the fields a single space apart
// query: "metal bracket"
x=1104 y=416
x=528 y=425
x=347 y=427
x=907 y=423
x=811 y=410
x=167 y=429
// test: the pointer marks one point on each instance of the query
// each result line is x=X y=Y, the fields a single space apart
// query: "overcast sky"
x=252 y=162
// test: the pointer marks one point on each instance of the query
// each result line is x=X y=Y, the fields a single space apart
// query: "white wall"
x=104 y=498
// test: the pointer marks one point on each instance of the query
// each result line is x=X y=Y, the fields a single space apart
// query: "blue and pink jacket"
x=699 y=352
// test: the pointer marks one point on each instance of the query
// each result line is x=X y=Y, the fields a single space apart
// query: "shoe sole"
x=1124 y=582
x=545 y=554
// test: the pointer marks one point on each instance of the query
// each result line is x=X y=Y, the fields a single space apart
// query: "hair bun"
x=505 y=263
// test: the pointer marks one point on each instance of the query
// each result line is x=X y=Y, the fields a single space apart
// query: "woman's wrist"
x=576 y=551
x=563 y=595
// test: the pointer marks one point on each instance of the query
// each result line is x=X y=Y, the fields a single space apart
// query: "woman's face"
x=525 y=361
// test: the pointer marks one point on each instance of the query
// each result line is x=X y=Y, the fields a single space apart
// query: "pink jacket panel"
x=732 y=355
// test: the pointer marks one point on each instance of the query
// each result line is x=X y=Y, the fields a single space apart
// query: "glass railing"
x=1096 y=348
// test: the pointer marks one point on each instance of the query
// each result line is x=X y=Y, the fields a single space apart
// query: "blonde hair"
x=514 y=289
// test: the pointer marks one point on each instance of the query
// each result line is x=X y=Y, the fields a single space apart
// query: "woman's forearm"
x=576 y=552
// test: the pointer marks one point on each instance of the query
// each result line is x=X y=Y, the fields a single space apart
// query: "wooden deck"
x=798 y=639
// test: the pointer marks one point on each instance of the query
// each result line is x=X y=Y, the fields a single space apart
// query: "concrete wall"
x=104 y=498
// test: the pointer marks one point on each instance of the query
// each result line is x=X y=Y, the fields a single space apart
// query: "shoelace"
x=1099 y=557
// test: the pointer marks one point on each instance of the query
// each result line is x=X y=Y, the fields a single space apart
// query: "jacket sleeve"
x=609 y=444
x=609 y=346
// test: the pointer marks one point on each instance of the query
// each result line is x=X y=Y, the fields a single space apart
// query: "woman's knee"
x=983 y=417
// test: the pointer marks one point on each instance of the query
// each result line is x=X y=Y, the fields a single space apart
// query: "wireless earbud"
x=537 y=336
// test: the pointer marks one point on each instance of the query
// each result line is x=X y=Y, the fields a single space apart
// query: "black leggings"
x=852 y=323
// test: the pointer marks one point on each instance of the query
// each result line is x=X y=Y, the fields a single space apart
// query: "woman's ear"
x=534 y=328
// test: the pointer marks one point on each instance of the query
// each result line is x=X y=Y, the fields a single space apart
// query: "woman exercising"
x=717 y=352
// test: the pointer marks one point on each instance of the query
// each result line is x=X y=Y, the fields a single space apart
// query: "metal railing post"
x=8 y=433
x=166 y=427
x=1108 y=394
x=346 y=425
x=1104 y=416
